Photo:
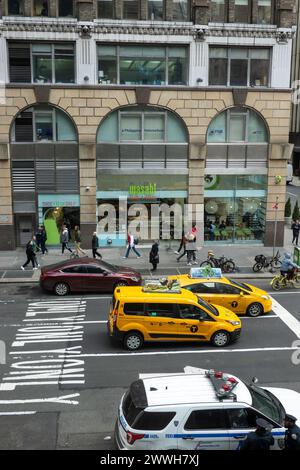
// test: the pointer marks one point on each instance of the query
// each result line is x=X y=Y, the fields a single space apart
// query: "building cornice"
x=155 y=28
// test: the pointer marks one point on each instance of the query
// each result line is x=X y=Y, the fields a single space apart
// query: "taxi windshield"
x=208 y=307
x=265 y=402
x=242 y=285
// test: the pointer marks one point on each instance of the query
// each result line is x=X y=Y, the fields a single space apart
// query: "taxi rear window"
x=242 y=285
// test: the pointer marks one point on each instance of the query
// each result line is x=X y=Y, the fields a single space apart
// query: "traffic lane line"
x=194 y=351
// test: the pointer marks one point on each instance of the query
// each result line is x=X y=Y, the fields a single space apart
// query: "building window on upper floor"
x=15 y=7
x=142 y=65
x=106 y=9
x=41 y=63
x=237 y=125
x=219 y=11
x=242 y=11
x=155 y=10
x=239 y=66
x=66 y=8
x=41 y=7
x=264 y=12
x=43 y=124
x=130 y=9
x=180 y=10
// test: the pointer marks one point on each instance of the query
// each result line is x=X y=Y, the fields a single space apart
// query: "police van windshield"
x=208 y=307
x=265 y=402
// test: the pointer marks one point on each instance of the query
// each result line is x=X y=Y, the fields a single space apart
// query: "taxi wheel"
x=133 y=341
x=61 y=289
x=220 y=338
x=255 y=310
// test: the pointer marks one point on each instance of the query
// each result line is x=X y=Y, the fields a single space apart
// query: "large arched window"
x=43 y=124
x=237 y=125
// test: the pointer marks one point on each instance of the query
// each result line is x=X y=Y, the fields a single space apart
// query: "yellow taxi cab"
x=159 y=312
x=214 y=288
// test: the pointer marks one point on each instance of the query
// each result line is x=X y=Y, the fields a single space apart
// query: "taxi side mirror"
x=242 y=294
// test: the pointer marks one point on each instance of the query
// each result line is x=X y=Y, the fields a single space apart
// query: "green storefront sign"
x=143 y=190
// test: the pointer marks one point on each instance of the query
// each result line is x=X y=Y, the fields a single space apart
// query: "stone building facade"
x=88 y=102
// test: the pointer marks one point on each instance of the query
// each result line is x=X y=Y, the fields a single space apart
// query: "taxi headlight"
x=233 y=322
x=266 y=297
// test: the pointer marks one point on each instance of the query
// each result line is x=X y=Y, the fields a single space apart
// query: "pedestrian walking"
x=31 y=249
x=212 y=229
x=261 y=438
x=181 y=244
x=77 y=239
x=194 y=231
x=43 y=240
x=292 y=434
x=296 y=229
x=64 y=240
x=184 y=242
x=154 y=256
x=191 y=249
x=95 y=246
x=131 y=242
x=38 y=237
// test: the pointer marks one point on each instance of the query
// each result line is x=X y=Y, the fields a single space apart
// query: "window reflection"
x=106 y=9
x=41 y=8
x=180 y=10
x=155 y=10
x=15 y=7
x=130 y=9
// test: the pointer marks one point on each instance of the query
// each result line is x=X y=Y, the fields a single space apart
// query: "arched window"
x=237 y=125
x=43 y=124
x=142 y=137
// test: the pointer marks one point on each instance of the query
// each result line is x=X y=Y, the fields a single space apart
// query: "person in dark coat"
x=296 y=230
x=292 y=434
x=154 y=256
x=31 y=249
x=95 y=246
x=260 y=439
x=43 y=239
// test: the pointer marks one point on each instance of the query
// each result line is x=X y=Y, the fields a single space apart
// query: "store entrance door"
x=25 y=228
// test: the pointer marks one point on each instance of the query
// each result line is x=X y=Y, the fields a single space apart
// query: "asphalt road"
x=63 y=392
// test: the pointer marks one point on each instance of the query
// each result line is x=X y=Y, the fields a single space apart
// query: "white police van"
x=199 y=410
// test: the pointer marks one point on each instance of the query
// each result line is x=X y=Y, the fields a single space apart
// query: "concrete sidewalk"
x=242 y=254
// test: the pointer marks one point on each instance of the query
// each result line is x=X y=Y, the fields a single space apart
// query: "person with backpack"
x=77 y=239
x=31 y=249
x=131 y=242
x=95 y=246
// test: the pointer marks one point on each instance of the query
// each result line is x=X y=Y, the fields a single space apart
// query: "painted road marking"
x=64 y=399
x=193 y=351
x=15 y=413
x=291 y=322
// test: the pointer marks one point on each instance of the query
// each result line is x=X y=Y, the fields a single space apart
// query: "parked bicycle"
x=281 y=281
x=227 y=265
x=262 y=261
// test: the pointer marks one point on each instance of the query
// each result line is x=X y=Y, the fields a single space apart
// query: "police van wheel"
x=61 y=288
x=255 y=310
x=220 y=338
x=133 y=341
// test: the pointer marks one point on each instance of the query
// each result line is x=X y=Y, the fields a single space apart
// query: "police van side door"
x=242 y=421
x=204 y=429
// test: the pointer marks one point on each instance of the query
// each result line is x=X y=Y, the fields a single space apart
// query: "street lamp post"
x=275 y=206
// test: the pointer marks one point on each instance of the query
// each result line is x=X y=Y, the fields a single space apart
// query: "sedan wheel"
x=61 y=289
x=133 y=341
x=255 y=309
x=220 y=339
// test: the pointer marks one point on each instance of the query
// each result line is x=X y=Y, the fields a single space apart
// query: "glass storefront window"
x=180 y=10
x=264 y=11
x=142 y=65
x=15 y=7
x=238 y=67
x=64 y=64
x=130 y=10
x=131 y=127
x=155 y=182
x=44 y=126
x=218 y=66
x=259 y=67
x=155 y=10
x=42 y=63
x=154 y=127
x=235 y=208
x=106 y=9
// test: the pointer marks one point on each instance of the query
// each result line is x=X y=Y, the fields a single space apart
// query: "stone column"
x=286 y=13
x=53 y=8
x=7 y=235
x=88 y=189
x=196 y=187
x=279 y=154
x=28 y=7
x=144 y=10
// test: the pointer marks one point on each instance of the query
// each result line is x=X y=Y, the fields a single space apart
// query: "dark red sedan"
x=86 y=275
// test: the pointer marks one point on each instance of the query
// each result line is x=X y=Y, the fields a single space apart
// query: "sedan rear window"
x=153 y=420
x=80 y=269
